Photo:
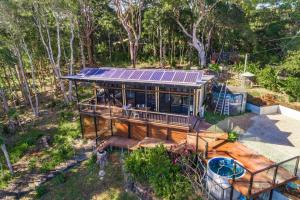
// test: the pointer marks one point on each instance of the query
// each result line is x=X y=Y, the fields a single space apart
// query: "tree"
x=200 y=11
x=130 y=16
x=4 y=150
x=87 y=12
x=40 y=16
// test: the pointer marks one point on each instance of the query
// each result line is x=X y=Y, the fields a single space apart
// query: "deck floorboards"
x=253 y=162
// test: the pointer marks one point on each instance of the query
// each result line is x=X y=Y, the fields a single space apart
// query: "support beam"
x=124 y=94
x=78 y=107
x=157 y=98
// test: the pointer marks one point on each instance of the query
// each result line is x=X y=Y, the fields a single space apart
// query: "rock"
x=101 y=173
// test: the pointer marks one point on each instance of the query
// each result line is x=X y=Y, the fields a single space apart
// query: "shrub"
x=214 y=68
x=292 y=88
x=60 y=178
x=233 y=136
x=267 y=77
x=154 y=167
x=40 y=191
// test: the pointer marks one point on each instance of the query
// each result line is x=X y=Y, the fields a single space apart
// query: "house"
x=137 y=103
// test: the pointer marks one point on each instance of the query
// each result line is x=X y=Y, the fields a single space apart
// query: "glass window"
x=164 y=102
x=130 y=98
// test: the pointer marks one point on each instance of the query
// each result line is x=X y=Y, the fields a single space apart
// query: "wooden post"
x=124 y=94
x=189 y=99
x=157 y=98
x=296 y=166
x=250 y=186
x=78 y=107
x=95 y=123
x=110 y=114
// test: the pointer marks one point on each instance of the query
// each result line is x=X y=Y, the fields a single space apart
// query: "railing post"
x=275 y=175
x=296 y=166
x=79 y=108
x=233 y=179
x=95 y=122
x=250 y=185
x=206 y=149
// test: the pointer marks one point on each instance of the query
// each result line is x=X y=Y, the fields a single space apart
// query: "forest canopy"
x=43 y=40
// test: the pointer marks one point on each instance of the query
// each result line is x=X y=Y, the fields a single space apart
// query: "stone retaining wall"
x=274 y=109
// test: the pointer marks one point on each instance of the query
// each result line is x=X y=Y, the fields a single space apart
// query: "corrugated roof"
x=150 y=76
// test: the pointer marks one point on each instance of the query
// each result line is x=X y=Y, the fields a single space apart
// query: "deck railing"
x=136 y=114
x=271 y=176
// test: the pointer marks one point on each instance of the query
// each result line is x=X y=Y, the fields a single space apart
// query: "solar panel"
x=117 y=73
x=156 y=76
x=84 y=71
x=146 y=75
x=168 y=76
x=91 y=72
x=126 y=74
x=136 y=75
x=179 y=77
x=108 y=73
x=199 y=78
x=99 y=72
x=191 y=77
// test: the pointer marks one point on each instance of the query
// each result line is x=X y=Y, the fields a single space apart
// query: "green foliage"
x=267 y=78
x=233 y=136
x=5 y=177
x=91 y=163
x=66 y=116
x=12 y=113
x=213 y=118
x=40 y=191
x=32 y=163
x=292 y=88
x=154 y=167
x=214 y=68
x=60 y=178
x=291 y=65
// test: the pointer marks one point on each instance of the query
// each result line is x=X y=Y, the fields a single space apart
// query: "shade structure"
x=148 y=76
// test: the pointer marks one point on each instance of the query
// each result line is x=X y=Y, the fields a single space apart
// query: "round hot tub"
x=219 y=171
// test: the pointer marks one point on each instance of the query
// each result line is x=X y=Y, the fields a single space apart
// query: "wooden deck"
x=253 y=162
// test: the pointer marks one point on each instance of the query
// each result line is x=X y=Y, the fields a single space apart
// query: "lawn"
x=83 y=182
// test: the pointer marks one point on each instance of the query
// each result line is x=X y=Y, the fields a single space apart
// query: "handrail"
x=145 y=114
x=275 y=165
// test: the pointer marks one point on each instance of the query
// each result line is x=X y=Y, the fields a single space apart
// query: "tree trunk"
x=109 y=47
x=36 y=113
x=89 y=46
x=201 y=51
x=11 y=121
x=81 y=50
x=57 y=68
x=71 y=59
x=161 y=50
x=25 y=83
x=133 y=46
x=3 y=147
x=20 y=83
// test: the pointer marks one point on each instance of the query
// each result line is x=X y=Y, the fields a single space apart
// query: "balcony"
x=135 y=114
